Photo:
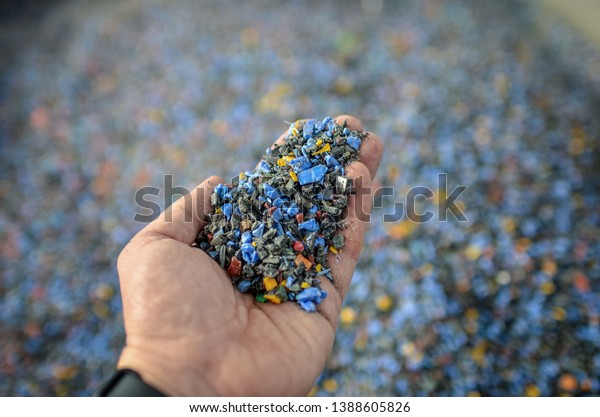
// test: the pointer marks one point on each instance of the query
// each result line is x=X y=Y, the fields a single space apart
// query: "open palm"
x=190 y=332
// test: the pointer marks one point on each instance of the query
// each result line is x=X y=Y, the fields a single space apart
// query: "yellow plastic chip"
x=348 y=315
x=273 y=298
x=324 y=149
x=269 y=283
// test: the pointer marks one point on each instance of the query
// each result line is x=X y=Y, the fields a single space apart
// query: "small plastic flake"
x=277 y=215
x=244 y=285
x=300 y=164
x=249 y=253
x=324 y=149
x=348 y=315
x=311 y=294
x=279 y=228
x=308 y=128
x=258 y=232
x=273 y=298
x=263 y=166
x=227 y=210
x=235 y=268
x=221 y=190
x=271 y=192
x=326 y=272
x=338 y=241
x=342 y=184
x=246 y=237
x=331 y=161
x=307 y=306
x=311 y=175
x=309 y=225
x=245 y=225
x=269 y=283
x=302 y=260
x=353 y=141
x=384 y=303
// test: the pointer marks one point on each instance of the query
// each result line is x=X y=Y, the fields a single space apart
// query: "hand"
x=191 y=333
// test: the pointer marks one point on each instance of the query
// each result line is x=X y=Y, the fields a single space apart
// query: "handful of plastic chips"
x=273 y=228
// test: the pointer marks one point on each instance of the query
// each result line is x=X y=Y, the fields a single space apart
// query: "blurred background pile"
x=98 y=99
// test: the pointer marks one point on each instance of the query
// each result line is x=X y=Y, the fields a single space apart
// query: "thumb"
x=184 y=219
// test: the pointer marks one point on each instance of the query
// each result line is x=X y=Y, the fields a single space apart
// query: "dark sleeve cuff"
x=127 y=383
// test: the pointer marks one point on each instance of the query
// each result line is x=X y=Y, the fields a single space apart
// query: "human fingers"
x=371 y=148
x=356 y=220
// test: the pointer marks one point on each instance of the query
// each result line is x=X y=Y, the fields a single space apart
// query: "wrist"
x=165 y=374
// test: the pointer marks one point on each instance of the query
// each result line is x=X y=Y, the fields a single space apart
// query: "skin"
x=191 y=333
